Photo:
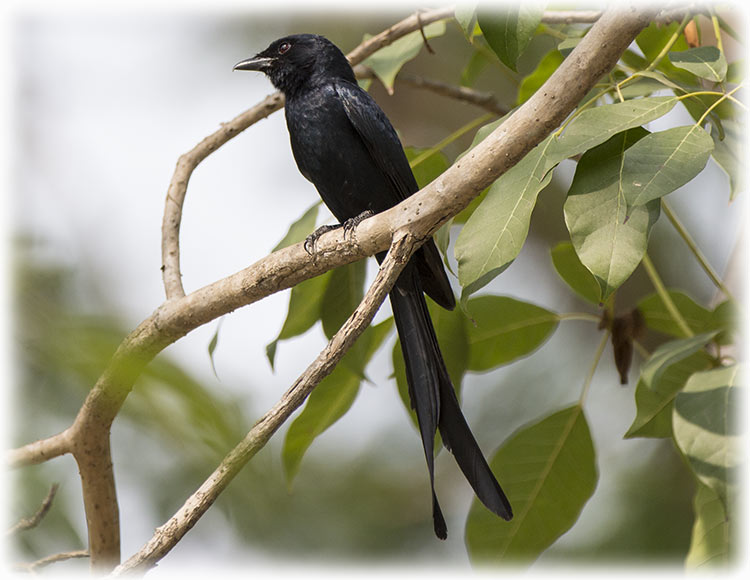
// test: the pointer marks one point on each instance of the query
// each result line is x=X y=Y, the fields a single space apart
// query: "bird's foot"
x=312 y=239
x=352 y=223
x=348 y=226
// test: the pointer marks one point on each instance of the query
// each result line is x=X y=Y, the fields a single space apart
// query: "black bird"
x=344 y=144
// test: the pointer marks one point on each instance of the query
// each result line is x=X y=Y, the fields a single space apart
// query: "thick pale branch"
x=40 y=451
x=167 y=536
x=419 y=215
x=189 y=161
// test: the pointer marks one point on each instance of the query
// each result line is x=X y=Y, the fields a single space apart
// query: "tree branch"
x=420 y=216
x=481 y=99
x=28 y=523
x=168 y=535
x=187 y=162
x=47 y=560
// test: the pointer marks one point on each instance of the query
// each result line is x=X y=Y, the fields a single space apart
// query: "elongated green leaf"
x=610 y=246
x=548 y=471
x=670 y=353
x=428 y=167
x=331 y=399
x=494 y=234
x=466 y=17
x=654 y=406
x=505 y=329
x=658 y=318
x=652 y=40
x=303 y=312
x=343 y=294
x=710 y=541
x=661 y=162
x=574 y=273
x=213 y=343
x=595 y=126
x=301 y=228
x=536 y=79
x=477 y=63
x=387 y=62
x=509 y=29
x=706 y=429
x=729 y=154
x=706 y=62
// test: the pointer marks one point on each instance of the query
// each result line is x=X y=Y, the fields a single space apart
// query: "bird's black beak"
x=259 y=63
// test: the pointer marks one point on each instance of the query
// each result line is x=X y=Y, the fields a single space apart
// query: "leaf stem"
x=670 y=43
x=699 y=256
x=579 y=316
x=592 y=368
x=717 y=32
x=451 y=138
x=665 y=297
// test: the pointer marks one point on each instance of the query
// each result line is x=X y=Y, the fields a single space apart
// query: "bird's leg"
x=348 y=226
x=312 y=239
x=352 y=223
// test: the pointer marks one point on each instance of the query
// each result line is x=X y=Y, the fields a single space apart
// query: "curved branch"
x=186 y=164
x=420 y=215
x=481 y=99
x=168 y=535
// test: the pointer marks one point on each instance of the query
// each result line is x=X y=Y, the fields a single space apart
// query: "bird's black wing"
x=380 y=139
x=384 y=147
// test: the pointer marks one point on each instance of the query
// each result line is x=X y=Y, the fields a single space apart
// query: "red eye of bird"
x=283 y=47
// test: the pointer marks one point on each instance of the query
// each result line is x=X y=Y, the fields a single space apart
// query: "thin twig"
x=47 y=560
x=186 y=164
x=28 y=523
x=481 y=99
x=169 y=534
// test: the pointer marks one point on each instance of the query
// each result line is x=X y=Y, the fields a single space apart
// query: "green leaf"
x=505 y=329
x=595 y=126
x=331 y=399
x=213 y=343
x=574 y=273
x=658 y=318
x=303 y=312
x=545 y=68
x=477 y=63
x=548 y=471
x=508 y=30
x=342 y=295
x=430 y=167
x=670 y=353
x=729 y=154
x=466 y=17
x=661 y=162
x=387 y=62
x=610 y=246
x=301 y=228
x=652 y=40
x=726 y=317
x=706 y=62
x=494 y=234
x=654 y=406
x=711 y=535
x=706 y=428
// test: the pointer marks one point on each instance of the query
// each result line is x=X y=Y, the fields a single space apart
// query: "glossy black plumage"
x=344 y=144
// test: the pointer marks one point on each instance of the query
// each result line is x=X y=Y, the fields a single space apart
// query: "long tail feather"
x=434 y=399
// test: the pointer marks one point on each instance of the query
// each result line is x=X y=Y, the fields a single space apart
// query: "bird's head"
x=299 y=60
